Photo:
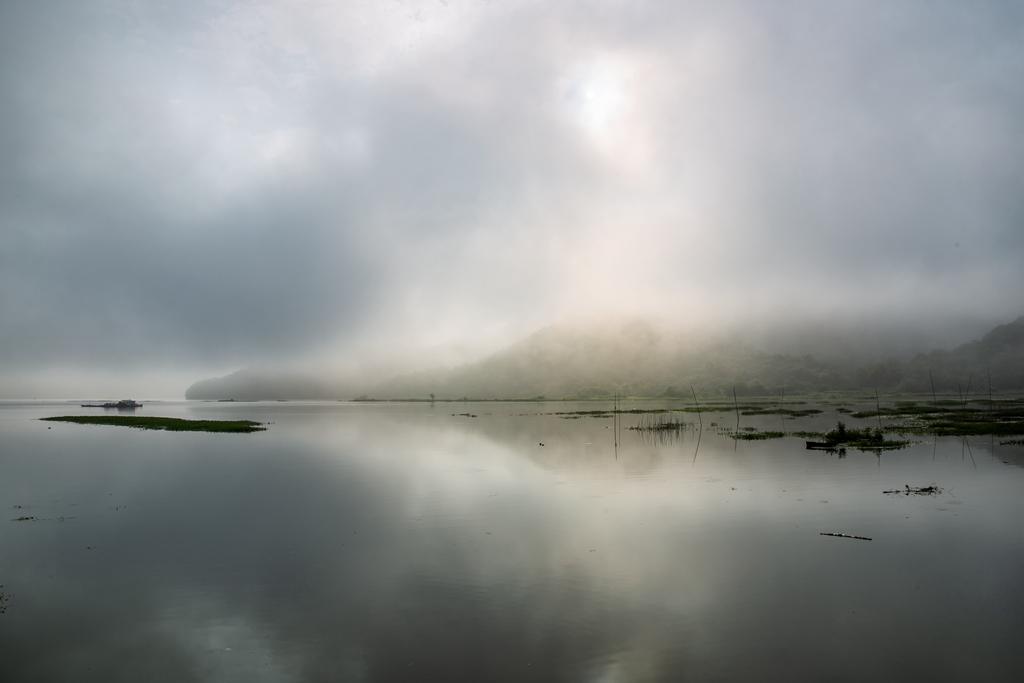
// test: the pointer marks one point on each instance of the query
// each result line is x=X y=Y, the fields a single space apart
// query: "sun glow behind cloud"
x=282 y=180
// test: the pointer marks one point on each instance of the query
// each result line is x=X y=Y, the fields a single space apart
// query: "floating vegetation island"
x=751 y=434
x=867 y=439
x=740 y=409
x=169 y=424
x=952 y=418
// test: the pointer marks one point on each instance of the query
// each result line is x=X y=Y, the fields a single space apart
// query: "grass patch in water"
x=169 y=424
x=572 y=415
x=747 y=435
x=866 y=439
x=782 y=411
x=952 y=418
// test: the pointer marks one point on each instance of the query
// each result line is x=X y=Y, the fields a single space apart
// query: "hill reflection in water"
x=400 y=542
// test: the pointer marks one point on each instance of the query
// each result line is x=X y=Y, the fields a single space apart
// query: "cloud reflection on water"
x=400 y=543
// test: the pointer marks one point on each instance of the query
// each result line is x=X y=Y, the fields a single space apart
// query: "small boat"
x=127 y=404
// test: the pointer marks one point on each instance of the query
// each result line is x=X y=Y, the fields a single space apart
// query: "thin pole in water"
x=698 y=408
x=989 y=373
x=781 y=408
x=969 y=451
x=935 y=402
x=699 y=433
x=736 y=403
x=969 y=380
x=878 y=410
x=615 y=424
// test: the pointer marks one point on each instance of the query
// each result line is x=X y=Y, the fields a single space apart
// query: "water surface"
x=387 y=542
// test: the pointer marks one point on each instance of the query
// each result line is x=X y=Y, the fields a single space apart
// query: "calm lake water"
x=397 y=542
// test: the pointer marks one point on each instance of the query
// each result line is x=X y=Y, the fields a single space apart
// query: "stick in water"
x=878 y=410
x=782 y=407
x=989 y=372
x=861 y=538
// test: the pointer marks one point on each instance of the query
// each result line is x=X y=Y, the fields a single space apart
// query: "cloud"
x=217 y=184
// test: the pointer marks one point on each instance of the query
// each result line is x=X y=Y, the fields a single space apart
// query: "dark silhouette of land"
x=635 y=359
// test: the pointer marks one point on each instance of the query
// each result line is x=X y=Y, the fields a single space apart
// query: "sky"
x=192 y=187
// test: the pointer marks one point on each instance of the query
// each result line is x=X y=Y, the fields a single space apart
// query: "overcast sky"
x=190 y=187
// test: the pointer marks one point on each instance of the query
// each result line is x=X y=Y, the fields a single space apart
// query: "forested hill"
x=637 y=359
x=1000 y=353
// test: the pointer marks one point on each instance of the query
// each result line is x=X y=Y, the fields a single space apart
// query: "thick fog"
x=190 y=188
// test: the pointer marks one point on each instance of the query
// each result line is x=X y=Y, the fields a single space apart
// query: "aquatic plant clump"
x=867 y=439
x=169 y=424
x=661 y=423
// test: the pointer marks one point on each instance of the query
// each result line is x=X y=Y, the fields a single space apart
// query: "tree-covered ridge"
x=637 y=359
x=638 y=362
